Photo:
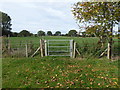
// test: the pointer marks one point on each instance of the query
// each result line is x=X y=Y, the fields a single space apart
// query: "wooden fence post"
x=8 y=44
x=109 y=53
x=26 y=50
x=41 y=47
x=8 y=48
x=45 y=48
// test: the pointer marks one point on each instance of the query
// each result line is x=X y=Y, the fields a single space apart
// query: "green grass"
x=89 y=41
x=59 y=72
x=36 y=39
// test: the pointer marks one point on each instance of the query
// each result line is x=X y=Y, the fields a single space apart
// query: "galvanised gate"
x=59 y=48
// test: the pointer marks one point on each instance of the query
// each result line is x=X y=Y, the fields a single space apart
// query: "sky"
x=35 y=15
x=46 y=15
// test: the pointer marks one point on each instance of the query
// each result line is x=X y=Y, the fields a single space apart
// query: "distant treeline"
x=26 y=33
x=5 y=30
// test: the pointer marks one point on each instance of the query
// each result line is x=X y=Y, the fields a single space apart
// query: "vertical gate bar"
x=48 y=47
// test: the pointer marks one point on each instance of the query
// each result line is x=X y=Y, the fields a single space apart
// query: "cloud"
x=34 y=16
x=41 y=0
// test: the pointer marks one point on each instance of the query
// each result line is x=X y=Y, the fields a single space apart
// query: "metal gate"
x=59 y=48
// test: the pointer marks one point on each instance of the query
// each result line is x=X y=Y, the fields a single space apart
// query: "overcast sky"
x=40 y=15
x=35 y=15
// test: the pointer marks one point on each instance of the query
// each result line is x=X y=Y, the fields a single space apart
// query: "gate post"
x=41 y=48
x=74 y=48
x=71 y=48
x=45 y=48
x=109 y=53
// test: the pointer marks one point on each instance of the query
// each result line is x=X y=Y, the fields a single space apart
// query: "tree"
x=119 y=30
x=14 y=34
x=117 y=34
x=24 y=33
x=41 y=33
x=5 y=24
x=49 y=33
x=57 y=33
x=83 y=34
x=35 y=35
x=100 y=18
x=72 y=33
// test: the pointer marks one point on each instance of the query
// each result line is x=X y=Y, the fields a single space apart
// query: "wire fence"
x=18 y=49
x=22 y=48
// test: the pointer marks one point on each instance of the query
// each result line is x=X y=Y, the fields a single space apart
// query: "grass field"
x=59 y=72
x=77 y=39
x=36 y=40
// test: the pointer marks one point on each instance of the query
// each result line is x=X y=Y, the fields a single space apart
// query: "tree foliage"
x=57 y=33
x=15 y=34
x=72 y=33
x=5 y=24
x=41 y=33
x=49 y=33
x=100 y=17
x=24 y=33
